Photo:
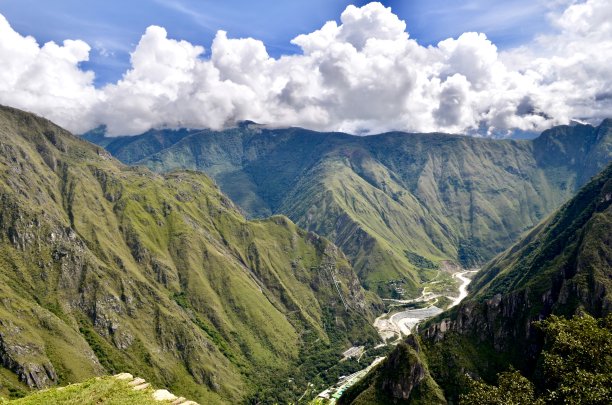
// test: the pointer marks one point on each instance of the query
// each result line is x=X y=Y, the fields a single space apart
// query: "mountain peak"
x=248 y=124
x=606 y=123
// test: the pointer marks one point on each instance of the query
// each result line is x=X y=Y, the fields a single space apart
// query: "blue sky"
x=112 y=27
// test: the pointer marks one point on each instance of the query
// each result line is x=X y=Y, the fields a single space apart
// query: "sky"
x=113 y=28
x=482 y=67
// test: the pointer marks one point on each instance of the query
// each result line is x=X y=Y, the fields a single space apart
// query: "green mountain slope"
x=562 y=267
x=388 y=199
x=106 y=268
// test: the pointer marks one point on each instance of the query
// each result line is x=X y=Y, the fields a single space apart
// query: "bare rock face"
x=402 y=372
x=34 y=374
x=38 y=375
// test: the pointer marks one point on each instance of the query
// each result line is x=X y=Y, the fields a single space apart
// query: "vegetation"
x=512 y=389
x=574 y=368
x=420 y=261
x=101 y=391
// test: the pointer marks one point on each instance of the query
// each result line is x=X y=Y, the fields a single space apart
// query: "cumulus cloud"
x=362 y=75
x=47 y=79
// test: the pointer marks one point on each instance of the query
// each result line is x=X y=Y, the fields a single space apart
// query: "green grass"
x=103 y=391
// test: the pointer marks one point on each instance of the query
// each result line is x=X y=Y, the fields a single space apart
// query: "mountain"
x=107 y=268
x=563 y=267
x=403 y=377
x=399 y=205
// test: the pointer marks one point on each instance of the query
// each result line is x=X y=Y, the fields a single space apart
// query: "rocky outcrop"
x=14 y=356
x=402 y=378
x=140 y=384
x=402 y=372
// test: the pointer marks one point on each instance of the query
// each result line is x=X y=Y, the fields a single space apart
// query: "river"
x=392 y=328
x=463 y=287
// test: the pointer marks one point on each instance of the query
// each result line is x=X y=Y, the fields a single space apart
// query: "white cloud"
x=571 y=69
x=364 y=74
x=47 y=79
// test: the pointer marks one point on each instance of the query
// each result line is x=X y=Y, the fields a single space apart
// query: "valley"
x=553 y=281
x=392 y=327
x=159 y=273
x=306 y=203
x=399 y=205
x=414 y=213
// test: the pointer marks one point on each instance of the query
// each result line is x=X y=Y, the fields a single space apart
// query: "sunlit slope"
x=106 y=268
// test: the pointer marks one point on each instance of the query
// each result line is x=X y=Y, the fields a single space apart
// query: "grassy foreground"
x=101 y=390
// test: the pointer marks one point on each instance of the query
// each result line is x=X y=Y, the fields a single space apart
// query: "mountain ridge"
x=385 y=198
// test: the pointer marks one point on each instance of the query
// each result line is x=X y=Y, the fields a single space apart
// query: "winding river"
x=392 y=328
x=401 y=323
x=463 y=287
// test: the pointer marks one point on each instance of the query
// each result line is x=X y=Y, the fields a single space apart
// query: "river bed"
x=396 y=325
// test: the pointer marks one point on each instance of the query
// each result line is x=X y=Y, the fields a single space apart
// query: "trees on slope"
x=575 y=367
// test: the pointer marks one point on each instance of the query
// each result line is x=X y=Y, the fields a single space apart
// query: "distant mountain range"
x=107 y=268
x=397 y=204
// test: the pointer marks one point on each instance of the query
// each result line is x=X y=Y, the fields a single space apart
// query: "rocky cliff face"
x=400 y=385
x=106 y=268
